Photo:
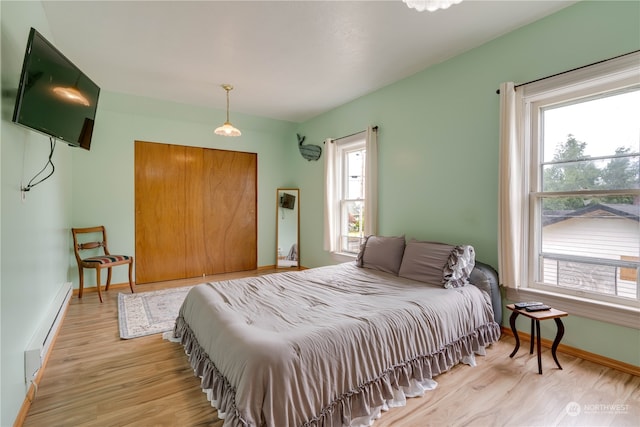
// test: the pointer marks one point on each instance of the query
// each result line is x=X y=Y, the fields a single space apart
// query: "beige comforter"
x=322 y=346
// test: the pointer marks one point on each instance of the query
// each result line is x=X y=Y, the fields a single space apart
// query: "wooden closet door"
x=196 y=263
x=160 y=205
x=212 y=225
x=230 y=206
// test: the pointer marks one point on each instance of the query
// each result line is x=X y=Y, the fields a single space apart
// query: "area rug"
x=147 y=313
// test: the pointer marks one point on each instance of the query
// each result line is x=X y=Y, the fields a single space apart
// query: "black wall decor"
x=309 y=152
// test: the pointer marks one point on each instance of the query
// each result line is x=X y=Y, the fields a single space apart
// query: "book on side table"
x=521 y=305
x=539 y=307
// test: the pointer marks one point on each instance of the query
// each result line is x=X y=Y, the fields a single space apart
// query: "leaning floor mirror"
x=288 y=228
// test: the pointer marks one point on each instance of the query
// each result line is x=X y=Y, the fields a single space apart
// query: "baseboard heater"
x=39 y=346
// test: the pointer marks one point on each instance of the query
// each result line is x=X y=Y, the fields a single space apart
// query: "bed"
x=336 y=345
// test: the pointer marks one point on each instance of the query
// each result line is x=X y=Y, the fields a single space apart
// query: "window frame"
x=583 y=83
x=348 y=145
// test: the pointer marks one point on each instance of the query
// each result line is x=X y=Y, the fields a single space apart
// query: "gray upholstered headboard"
x=486 y=278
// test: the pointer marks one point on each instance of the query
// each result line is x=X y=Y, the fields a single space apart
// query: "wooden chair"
x=98 y=262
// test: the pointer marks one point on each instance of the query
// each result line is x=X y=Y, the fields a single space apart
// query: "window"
x=570 y=199
x=584 y=189
x=351 y=161
x=350 y=191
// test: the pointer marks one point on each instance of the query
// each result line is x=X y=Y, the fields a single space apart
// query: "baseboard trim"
x=24 y=409
x=582 y=354
x=94 y=289
x=283 y=269
x=33 y=388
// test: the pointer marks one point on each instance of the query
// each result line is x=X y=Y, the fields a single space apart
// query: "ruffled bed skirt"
x=358 y=407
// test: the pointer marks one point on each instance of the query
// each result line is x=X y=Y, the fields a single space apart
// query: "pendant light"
x=227 y=128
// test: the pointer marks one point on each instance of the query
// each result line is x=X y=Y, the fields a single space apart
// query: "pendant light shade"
x=227 y=128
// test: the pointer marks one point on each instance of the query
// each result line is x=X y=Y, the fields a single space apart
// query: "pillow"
x=459 y=266
x=425 y=261
x=381 y=253
x=437 y=263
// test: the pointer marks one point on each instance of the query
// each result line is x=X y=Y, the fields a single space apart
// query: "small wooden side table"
x=536 y=317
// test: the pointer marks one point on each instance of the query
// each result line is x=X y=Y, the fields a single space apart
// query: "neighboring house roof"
x=597 y=210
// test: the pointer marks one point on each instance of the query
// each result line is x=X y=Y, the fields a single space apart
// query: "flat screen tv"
x=54 y=96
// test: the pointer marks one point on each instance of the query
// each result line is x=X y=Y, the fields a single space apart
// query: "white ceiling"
x=288 y=60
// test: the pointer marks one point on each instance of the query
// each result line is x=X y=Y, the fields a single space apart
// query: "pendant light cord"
x=227 y=104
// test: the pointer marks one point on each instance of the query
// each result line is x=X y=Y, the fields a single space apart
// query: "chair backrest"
x=93 y=243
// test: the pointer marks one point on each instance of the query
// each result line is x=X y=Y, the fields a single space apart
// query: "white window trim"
x=344 y=256
x=353 y=143
x=333 y=190
x=535 y=194
x=622 y=71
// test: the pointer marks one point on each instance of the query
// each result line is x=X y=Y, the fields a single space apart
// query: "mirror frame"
x=281 y=254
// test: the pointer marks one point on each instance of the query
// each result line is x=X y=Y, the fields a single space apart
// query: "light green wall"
x=438 y=143
x=35 y=232
x=438 y=165
x=103 y=184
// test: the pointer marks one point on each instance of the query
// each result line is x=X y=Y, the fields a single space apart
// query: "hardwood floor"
x=93 y=378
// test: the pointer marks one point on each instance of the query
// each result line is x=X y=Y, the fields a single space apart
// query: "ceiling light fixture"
x=430 y=5
x=227 y=128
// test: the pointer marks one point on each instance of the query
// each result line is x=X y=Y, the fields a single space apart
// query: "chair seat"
x=107 y=259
